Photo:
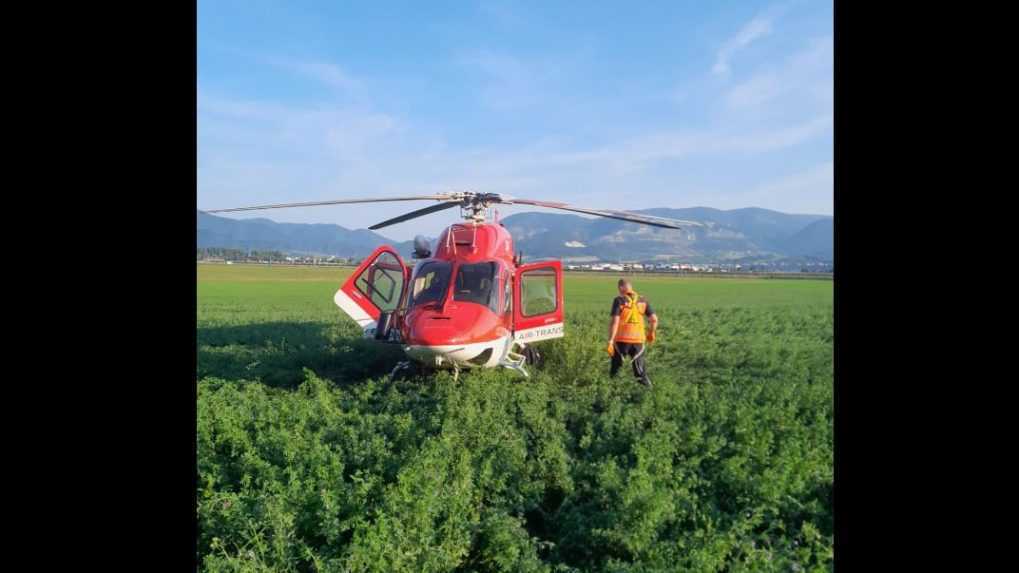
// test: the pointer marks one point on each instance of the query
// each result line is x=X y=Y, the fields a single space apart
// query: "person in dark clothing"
x=627 y=335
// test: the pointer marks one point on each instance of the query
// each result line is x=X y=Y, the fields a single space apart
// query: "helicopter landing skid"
x=515 y=361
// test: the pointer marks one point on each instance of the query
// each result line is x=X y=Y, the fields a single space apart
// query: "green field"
x=310 y=459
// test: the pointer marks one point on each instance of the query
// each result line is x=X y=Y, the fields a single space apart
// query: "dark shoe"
x=645 y=381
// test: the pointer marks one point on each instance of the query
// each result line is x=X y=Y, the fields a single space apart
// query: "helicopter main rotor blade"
x=437 y=197
x=611 y=214
x=415 y=214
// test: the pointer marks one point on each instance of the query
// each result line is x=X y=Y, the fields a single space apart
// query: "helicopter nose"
x=464 y=323
x=433 y=331
x=465 y=334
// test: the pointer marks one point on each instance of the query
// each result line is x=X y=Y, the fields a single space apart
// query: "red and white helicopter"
x=471 y=303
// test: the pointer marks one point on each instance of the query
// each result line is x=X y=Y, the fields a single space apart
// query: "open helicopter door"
x=538 y=302
x=376 y=287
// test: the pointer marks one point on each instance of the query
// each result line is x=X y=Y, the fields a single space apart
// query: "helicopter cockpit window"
x=431 y=280
x=478 y=283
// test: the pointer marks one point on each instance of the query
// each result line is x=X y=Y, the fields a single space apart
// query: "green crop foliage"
x=311 y=459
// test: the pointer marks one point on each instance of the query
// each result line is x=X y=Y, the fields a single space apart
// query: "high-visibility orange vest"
x=631 y=319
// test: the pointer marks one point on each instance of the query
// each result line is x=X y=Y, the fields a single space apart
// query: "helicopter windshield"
x=431 y=281
x=477 y=283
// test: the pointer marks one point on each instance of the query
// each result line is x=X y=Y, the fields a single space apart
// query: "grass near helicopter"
x=310 y=458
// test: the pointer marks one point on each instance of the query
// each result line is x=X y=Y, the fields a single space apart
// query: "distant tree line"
x=239 y=254
x=255 y=255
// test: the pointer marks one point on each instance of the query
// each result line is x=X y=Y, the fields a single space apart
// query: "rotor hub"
x=474 y=206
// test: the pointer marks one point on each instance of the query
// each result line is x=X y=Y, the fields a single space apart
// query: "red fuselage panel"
x=461 y=322
x=470 y=243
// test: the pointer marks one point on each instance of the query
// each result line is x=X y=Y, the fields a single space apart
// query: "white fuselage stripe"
x=537 y=333
x=347 y=305
x=460 y=353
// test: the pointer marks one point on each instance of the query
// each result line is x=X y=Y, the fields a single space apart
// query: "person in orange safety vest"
x=627 y=334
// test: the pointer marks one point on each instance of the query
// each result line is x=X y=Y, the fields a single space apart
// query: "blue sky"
x=606 y=105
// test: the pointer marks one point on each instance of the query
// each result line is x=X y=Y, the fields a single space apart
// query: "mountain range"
x=749 y=234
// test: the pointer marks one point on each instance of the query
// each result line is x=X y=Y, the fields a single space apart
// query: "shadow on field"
x=276 y=353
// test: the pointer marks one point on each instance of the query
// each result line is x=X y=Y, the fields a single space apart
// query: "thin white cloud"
x=638 y=152
x=760 y=26
x=809 y=191
x=753 y=30
x=807 y=74
x=500 y=12
x=326 y=73
x=209 y=103
x=372 y=149
x=783 y=138
x=322 y=132
x=509 y=83
x=755 y=91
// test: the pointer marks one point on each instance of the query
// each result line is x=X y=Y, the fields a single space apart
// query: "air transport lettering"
x=539 y=333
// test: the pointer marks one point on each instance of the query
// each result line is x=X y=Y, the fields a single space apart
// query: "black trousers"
x=634 y=351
